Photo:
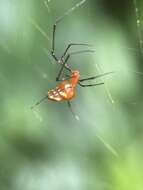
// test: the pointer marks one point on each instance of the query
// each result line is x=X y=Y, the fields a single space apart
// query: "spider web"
x=66 y=138
x=99 y=67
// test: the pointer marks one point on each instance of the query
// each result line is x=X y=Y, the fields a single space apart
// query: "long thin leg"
x=95 y=77
x=59 y=20
x=62 y=67
x=70 y=107
x=68 y=56
x=53 y=42
x=74 y=53
x=39 y=102
x=89 y=85
x=74 y=44
x=82 y=51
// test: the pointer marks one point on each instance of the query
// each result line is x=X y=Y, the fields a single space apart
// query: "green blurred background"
x=47 y=148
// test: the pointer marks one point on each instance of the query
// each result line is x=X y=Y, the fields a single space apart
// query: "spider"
x=66 y=87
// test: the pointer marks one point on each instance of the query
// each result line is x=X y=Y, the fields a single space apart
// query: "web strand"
x=70 y=10
x=138 y=23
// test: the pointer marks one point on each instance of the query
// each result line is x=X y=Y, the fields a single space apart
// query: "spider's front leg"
x=74 y=44
x=64 y=61
x=53 y=42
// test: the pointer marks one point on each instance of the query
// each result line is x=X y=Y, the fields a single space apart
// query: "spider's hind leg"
x=70 y=107
x=92 y=78
x=95 y=77
x=89 y=85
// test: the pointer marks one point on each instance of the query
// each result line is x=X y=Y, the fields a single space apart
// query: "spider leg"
x=61 y=61
x=64 y=65
x=74 y=44
x=82 y=51
x=68 y=47
x=91 y=78
x=70 y=107
x=95 y=77
x=39 y=102
x=53 y=42
x=89 y=85
x=58 y=20
x=53 y=47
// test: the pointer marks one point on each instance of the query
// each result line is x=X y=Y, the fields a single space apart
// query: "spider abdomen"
x=64 y=91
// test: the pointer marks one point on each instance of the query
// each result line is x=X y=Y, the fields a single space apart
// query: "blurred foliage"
x=46 y=148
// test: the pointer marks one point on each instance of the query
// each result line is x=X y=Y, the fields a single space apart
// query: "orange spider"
x=65 y=89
